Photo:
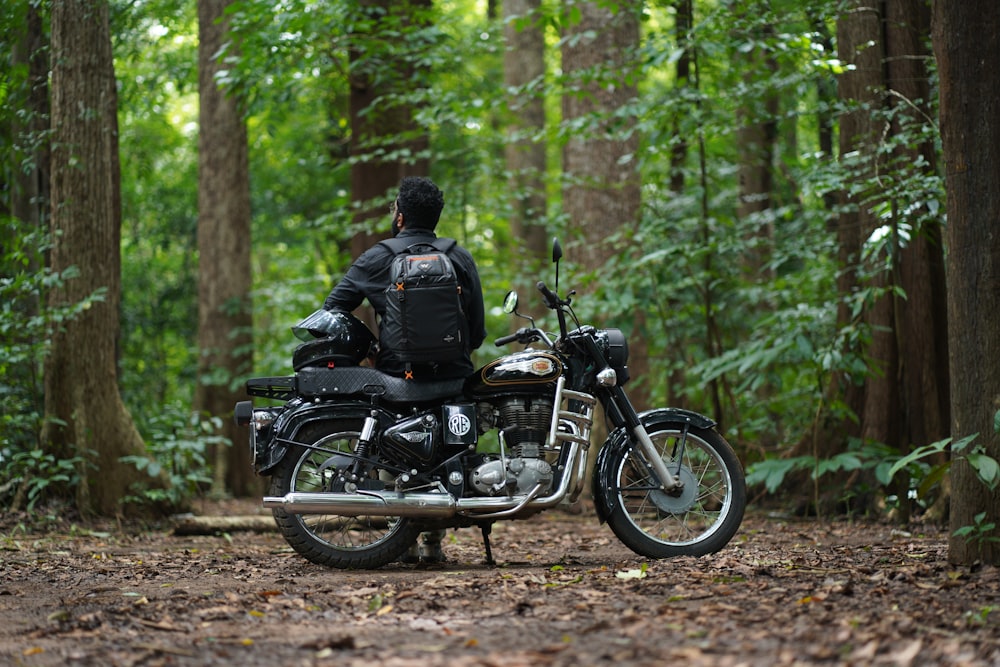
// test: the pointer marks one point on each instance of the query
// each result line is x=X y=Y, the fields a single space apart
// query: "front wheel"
x=345 y=542
x=698 y=519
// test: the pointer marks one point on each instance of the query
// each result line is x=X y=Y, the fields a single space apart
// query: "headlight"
x=614 y=345
x=607 y=378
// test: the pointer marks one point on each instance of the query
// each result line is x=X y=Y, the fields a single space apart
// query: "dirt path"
x=565 y=592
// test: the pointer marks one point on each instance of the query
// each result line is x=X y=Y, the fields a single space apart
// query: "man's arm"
x=475 y=310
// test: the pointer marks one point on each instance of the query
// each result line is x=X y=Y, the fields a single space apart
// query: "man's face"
x=394 y=212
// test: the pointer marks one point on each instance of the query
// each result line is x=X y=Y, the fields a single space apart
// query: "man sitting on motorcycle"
x=415 y=215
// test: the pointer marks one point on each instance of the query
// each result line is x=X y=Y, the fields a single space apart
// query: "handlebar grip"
x=503 y=340
x=550 y=299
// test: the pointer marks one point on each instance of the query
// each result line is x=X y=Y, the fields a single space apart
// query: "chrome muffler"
x=366 y=503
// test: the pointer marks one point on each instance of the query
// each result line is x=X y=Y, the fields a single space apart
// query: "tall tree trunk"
x=858 y=28
x=30 y=191
x=679 y=148
x=601 y=193
x=224 y=272
x=756 y=137
x=85 y=414
x=967 y=45
x=376 y=125
x=920 y=320
x=903 y=401
x=29 y=186
x=524 y=64
x=683 y=24
x=862 y=42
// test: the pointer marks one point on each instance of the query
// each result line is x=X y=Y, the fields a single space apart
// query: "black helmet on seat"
x=332 y=338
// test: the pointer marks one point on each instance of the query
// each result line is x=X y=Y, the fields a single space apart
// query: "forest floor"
x=564 y=592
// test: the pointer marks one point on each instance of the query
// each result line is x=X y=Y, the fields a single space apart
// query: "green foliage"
x=739 y=312
x=925 y=466
x=36 y=471
x=979 y=533
x=859 y=456
x=985 y=466
x=177 y=449
x=28 y=324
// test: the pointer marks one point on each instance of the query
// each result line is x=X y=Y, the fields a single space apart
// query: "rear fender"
x=290 y=422
x=619 y=439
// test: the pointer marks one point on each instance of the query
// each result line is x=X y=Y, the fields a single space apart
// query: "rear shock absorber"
x=360 y=465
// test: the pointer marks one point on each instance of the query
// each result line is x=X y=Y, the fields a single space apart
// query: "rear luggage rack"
x=281 y=388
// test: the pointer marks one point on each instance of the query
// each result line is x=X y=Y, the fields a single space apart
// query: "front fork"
x=668 y=482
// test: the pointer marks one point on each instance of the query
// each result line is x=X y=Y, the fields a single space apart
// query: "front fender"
x=288 y=424
x=619 y=439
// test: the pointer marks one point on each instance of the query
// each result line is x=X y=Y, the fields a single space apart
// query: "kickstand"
x=487 y=528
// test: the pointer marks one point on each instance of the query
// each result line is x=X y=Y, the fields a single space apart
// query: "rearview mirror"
x=556 y=250
x=510 y=302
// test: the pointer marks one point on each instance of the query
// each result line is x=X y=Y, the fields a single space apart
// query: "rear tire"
x=701 y=519
x=362 y=542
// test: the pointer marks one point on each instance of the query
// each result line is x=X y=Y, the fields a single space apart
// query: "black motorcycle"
x=362 y=462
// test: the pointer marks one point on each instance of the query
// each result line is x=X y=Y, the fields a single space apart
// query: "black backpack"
x=424 y=321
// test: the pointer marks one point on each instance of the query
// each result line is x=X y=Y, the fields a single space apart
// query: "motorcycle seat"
x=361 y=381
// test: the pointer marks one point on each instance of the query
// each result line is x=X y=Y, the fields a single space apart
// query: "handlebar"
x=555 y=303
x=503 y=340
x=551 y=300
x=526 y=335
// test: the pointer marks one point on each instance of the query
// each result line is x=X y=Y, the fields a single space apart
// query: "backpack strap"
x=398 y=245
x=395 y=245
x=444 y=244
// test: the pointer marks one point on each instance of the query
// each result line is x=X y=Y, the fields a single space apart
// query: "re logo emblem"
x=459 y=424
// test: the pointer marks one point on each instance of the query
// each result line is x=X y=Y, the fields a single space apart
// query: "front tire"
x=701 y=519
x=362 y=542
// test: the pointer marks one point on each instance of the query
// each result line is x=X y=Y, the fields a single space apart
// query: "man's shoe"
x=431 y=552
x=412 y=555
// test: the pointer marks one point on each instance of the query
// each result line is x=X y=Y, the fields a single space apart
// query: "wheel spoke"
x=675 y=518
x=328 y=539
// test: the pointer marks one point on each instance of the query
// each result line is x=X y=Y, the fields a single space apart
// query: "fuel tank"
x=529 y=371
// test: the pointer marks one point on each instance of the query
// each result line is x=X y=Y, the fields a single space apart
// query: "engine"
x=523 y=423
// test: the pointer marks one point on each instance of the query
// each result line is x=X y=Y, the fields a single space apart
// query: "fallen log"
x=189 y=524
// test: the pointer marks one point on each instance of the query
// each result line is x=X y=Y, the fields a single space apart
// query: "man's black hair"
x=420 y=202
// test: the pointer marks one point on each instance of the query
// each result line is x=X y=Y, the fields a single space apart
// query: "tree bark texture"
x=966 y=40
x=224 y=273
x=903 y=403
x=524 y=151
x=30 y=189
x=756 y=137
x=920 y=319
x=85 y=414
x=376 y=126
x=601 y=192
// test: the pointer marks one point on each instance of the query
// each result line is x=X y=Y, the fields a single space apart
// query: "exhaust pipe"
x=423 y=505
x=366 y=503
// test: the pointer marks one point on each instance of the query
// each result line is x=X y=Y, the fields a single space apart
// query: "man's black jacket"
x=368 y=278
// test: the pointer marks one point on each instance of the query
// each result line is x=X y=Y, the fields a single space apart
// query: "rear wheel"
x=345 y=542
x=698 y=519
